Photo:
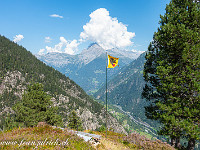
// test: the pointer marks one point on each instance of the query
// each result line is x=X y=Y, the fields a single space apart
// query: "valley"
x=100 y=75
x=125 y=83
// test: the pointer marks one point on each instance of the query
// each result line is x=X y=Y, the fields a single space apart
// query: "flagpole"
x=106 y=96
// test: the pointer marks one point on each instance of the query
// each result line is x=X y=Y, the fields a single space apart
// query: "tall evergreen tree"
x=172 y=72
x=74 y=121
x=35 y=107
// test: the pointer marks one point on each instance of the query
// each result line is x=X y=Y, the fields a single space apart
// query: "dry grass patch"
x=134 y=141
x=107 y=144
x=42 y=138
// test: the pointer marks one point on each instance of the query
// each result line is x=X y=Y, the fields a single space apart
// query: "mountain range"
x=126 y=86
x=125 y=82
x=87 y=69
x=125 y=89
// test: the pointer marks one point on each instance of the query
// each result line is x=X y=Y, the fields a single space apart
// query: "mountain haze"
x=88 y=68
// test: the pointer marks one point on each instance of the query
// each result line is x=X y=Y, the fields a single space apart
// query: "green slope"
x=124 y=90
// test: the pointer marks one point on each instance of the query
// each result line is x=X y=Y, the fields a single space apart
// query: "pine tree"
x=35 y=107
x=74 y=121
x=172 y=72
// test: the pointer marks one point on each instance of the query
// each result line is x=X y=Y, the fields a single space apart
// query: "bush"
x=101 y=129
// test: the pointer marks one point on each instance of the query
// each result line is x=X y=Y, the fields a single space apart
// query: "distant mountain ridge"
x=93 y=51
x=87 y=68
x=126 y=87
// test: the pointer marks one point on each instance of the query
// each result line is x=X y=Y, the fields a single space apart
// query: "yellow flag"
x=112 y=62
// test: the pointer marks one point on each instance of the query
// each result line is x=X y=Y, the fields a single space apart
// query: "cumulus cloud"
x=56 y=16
x=72 y=47
x=41 y=52
x=106 y=31
x=64 y=46
x=58 y=47
x=138 y=52
x=133 y=50
x=18 y=38
x=47 y=39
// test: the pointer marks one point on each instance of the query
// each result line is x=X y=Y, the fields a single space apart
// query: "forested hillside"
x=19 y=68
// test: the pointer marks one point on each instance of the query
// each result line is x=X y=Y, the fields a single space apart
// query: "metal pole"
x=106 y=96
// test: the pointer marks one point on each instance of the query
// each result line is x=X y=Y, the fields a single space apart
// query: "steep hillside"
x=18 y=68
x=124 y=90
x=88 y=66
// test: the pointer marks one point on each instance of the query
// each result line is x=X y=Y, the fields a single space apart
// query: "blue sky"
x=57 y=25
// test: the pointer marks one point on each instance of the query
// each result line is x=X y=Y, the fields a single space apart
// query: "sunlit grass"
x=45 y=137
x=133 y=141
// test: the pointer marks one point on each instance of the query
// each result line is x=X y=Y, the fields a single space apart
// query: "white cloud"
x=72 y=47
x=140 y=52
x=63 y=46
x=48 y=39
x=133 y=50
x=58 y=47
x=56 y=16
x=41 y=52
x=63 y=40
x=106 y=31
x=18 y=38
x=137 y=53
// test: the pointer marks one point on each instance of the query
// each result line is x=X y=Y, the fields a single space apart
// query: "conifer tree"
x=172 y=72
x=74 y=121
x=35 y=107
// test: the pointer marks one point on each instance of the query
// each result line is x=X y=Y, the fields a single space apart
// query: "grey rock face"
x=65 y=103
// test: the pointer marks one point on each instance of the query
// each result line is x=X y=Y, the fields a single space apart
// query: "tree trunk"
x=178 y=144
x=191 y=144
x=173 y=141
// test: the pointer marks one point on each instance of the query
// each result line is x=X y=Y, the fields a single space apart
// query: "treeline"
x=172 y=73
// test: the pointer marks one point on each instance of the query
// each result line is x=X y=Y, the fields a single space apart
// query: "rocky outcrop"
x=13 y=80
x=15 y=83
x=90 y=121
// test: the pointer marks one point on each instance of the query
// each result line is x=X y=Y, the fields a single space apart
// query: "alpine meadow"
x=102 y=75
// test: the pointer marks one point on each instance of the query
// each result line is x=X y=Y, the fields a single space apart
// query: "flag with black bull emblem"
x=112 y=62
